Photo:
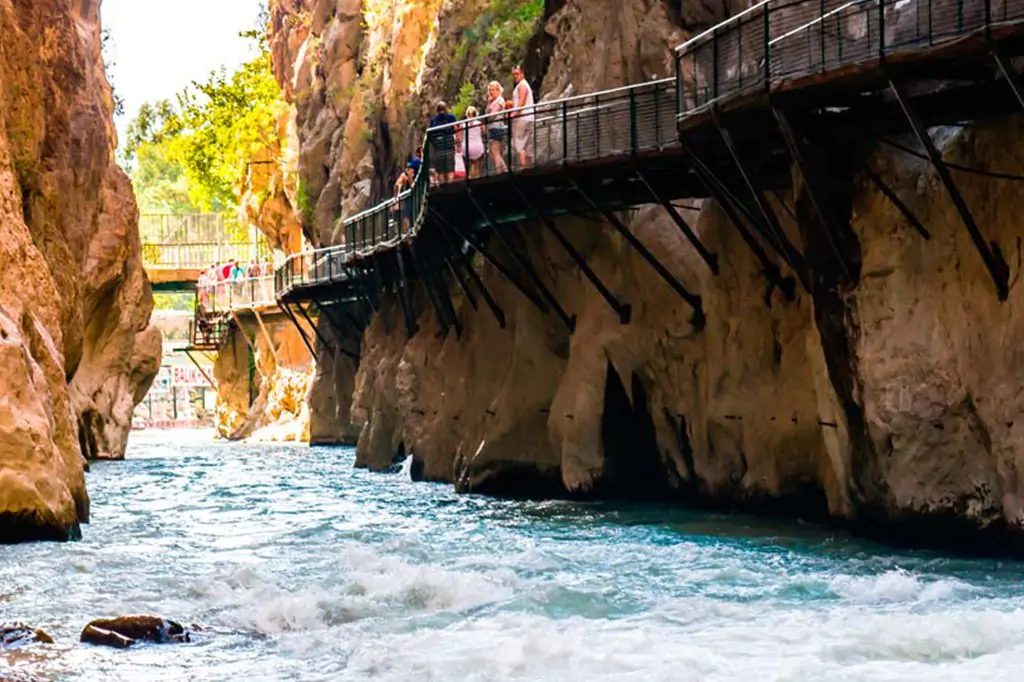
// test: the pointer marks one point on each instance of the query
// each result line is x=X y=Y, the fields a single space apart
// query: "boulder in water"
x=16 y=635
x=125 y=631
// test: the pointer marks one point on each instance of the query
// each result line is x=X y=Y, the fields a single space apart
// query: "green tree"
x=195 y=156
x=226 y=121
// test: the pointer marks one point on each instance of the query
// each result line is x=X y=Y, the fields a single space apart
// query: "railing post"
x=881 y=26
x=714 y=64
x=633 y=138
x=821 y=35
x=597 y=125
x=565 y=132
x=508 y=139
x=767 y=51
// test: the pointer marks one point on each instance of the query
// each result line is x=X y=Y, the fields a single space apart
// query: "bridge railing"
x=779 y=40
x=312 y=267
x=232 y=295
x=197 y=256
x=633 y=119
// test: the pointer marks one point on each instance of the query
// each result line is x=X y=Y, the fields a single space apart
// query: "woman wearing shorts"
x=496 y=128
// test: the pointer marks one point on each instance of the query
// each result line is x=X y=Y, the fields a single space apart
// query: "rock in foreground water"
x=125 y=631
x=15 y=635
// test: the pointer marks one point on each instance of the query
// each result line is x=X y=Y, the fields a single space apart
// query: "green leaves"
x=195 y=155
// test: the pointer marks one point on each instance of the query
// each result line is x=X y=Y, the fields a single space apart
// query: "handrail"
x=820 y=19
x=700 y=37
x=553 y=104
x=591 y=120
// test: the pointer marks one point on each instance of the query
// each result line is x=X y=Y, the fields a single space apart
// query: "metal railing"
x=628 y=120
x=207 y=332
x=197 y=240
x=776 y=41
x=198 y=256
x=623 y=121
x=234 y=295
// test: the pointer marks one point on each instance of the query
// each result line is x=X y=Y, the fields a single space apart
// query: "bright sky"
x=159 y=48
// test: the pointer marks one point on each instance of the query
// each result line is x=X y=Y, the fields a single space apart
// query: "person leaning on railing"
x=474 y=134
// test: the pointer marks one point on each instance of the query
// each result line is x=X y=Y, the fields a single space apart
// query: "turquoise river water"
x=301 y=568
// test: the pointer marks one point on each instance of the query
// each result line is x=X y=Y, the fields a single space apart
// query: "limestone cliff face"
x=74 y=301
x=888 y=398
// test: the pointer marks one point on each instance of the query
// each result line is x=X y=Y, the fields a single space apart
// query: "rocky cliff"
x=887 y=399
x=76 y=349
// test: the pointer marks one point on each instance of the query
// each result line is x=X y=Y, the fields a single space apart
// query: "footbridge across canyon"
x=787 y=86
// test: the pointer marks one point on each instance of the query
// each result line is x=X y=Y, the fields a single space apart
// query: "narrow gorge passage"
x=511 y=340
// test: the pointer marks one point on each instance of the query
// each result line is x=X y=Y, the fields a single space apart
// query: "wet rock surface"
x=126 y=631
x=16 y=635
x=76 y=349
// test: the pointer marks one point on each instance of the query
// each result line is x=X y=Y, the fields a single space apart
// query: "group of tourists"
x=467 y=149
x=479 y=145
x=230 y=278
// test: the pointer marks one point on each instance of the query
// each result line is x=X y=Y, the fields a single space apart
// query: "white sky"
x=158 y=48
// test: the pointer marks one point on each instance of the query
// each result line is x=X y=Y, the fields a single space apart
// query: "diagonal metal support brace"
x=209 y=380
x=891 y=195
x=997 y=267
x=726 y=202
x=691 y=299
x=796 y=153
x=771 y=222
x=313 y=325
x=291 y=317
x=437 y=274
x=1012 y=79
x=524 y=264
x=623 y=310
x=337 y=326
x=482 y=249
x=474 y=276
x=411 y=328
x=444 y=322
x=710 y=258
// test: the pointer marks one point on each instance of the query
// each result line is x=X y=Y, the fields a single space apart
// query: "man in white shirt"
x=522 y=124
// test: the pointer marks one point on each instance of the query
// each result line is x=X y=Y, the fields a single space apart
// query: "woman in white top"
x=475 y=135
x=496 y=128
x=522 y=124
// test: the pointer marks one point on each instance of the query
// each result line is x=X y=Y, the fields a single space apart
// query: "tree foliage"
x=194 y=155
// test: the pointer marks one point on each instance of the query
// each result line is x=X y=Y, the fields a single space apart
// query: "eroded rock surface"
x=126 y=631
x=888 y=398
x=76 y=351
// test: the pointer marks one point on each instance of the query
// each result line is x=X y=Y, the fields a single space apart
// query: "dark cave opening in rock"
x=633 y=467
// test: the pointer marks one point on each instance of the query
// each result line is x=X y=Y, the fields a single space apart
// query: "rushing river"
x=301 y=568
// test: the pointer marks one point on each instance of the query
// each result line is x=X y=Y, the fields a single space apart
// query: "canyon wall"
x=76 y=349
x=886 y=399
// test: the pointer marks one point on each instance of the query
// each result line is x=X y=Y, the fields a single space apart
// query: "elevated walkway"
x=805 y=85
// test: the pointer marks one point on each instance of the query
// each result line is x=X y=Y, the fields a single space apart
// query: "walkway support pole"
x=623 y=310
x=997 y=267
x=411 y=327
x=1012 y=79
x=796 y=153
x=891 y=195
x=499 y=314
x=707 y=256
x=291 y=317
x=774 y=227
x=691 y=299
x=325 y=311
x=568 y=320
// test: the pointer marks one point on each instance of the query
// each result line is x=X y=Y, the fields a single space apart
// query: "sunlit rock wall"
x=77 y=350
x=889 y=398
